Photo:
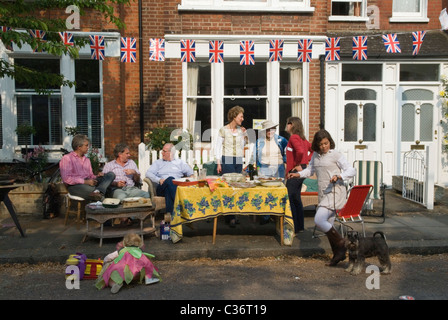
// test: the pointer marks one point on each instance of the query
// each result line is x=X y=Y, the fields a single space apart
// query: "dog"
x=359 y=248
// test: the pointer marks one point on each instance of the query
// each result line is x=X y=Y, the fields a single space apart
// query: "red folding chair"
x=351 y=212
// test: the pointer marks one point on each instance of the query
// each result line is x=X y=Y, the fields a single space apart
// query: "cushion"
x=311 y=185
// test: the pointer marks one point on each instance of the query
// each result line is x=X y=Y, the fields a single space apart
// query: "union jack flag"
x=40 y=36
x=360 y=48
x=187 y=51
x=128 y=49
x=216 y=52
x=391 y=43
x=275 y=50
x=67 y=38
x=247 y=53
x=305 y=50
x=97 y=47
x=333 y=49
x=6 y=29
x=417 y=41
x=157 y=49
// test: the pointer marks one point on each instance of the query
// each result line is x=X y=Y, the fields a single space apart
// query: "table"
x=194 y=203
x=101 y=215
x=4 y=190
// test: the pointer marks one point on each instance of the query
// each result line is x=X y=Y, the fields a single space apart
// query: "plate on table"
x=185 y=182
x=272 y=183
x=134 y=199
x=111 y=203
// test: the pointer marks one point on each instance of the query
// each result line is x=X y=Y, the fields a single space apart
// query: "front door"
x=361 y=116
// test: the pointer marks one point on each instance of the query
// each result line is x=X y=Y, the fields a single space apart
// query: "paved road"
x=281 y=278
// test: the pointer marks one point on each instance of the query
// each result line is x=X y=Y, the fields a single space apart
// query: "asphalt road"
x=281 y=278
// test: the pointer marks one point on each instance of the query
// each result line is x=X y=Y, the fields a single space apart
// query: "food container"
x=111 y=203
x=234 y=177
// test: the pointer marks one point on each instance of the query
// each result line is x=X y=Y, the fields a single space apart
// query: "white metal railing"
x=147 y=157
x=418 y=179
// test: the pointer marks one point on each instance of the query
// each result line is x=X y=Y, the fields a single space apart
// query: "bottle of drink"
x=196 y=171
x=251 y=171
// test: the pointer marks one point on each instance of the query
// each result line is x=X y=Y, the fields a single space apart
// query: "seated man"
x=164 y=170
x=77 y=174
x=126 y=174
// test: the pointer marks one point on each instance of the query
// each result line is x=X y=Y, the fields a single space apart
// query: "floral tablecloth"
x=194 y=203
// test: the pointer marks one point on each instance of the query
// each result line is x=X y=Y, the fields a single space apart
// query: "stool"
x=71 y=200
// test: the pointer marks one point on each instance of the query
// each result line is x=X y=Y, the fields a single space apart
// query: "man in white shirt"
x=164 y=171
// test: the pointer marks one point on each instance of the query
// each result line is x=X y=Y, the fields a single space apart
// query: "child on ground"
x=126 y=264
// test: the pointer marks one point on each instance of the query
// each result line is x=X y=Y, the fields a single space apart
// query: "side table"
x=101 y=215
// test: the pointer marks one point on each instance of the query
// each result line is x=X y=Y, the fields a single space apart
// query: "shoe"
x=96 y=196
x=116 y=287
x=151 y=280
x=232 y=223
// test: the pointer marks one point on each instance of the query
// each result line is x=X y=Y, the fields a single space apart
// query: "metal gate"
x=414 y=176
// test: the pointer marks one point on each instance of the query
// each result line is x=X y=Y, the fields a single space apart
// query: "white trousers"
x=324 y=219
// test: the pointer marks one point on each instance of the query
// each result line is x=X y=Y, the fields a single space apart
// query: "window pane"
x=418 y=94
x=23 y=116
x=419 y=72
x=88 y=119
x=244 y=80
x=55 y=121
x=346 y=9
x=369 y=122
x=204 y=80
x=87 y=75
x=360 y=94
x=406 y=6
x=40 y=120
x=426 y=123
x=290 y=80
x=407 y=122
x=253 y=109
x=351 y=122
x=286 y=107
x=203 y=118
x=364 y=72
x=41 y=65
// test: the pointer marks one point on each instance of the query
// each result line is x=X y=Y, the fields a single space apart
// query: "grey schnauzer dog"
x=360 y=248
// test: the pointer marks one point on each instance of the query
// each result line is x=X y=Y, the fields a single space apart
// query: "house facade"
x=376 y=108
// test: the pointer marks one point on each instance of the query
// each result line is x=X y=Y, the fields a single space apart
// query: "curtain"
x=192 y=89
x=296 y=90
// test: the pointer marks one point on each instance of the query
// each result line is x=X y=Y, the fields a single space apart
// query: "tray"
x=136 y=202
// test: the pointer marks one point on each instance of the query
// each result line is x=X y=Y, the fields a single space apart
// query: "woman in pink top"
x=77 y=174
x=298 y=154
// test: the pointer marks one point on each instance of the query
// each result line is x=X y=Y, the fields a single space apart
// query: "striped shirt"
x=118 y=169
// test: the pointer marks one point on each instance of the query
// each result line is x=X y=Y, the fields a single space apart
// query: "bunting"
x=247 y=53
x=40 y=36
x=417 y=41
x=97 y=47
x=332 y=49
x=216 y=52
x=305 y=50
x=187 y=51
x=67 y=38
x=276 y=50
x=128 y=49
x=157 y=49
x=360 y=48
x=391 y=43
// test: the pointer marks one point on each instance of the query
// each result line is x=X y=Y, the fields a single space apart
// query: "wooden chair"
x=157 y=201
x=74 y=205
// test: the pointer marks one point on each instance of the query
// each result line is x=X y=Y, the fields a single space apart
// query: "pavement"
x=409 y=227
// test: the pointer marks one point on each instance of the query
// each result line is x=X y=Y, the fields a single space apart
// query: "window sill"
x=409 y=19
x=187 y=8
x=348 y=19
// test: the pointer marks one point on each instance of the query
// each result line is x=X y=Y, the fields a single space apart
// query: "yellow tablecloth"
x=194 y=203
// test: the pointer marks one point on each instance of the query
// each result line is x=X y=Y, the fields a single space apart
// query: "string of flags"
x=128 y=51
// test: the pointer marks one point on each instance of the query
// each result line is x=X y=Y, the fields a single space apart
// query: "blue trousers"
x=168 y=190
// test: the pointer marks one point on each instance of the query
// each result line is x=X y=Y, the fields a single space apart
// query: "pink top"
x=75 y=169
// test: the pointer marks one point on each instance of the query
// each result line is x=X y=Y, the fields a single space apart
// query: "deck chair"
x=351 y=212
x=371 y=172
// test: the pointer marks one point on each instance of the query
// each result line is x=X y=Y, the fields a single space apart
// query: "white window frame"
x=246 y=6
x=421 y=16
x=362 y=15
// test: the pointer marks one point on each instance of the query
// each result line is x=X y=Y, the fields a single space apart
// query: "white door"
x=360 y=123
x=419 y=118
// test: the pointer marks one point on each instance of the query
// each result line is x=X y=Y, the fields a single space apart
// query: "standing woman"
x=331 y=168
x=298 y=154
x=229 y=149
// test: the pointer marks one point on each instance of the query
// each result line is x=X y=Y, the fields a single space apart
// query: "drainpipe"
x=140 y=60
x=322 y=92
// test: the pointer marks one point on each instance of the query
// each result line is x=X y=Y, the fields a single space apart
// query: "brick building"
x=117 y=101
